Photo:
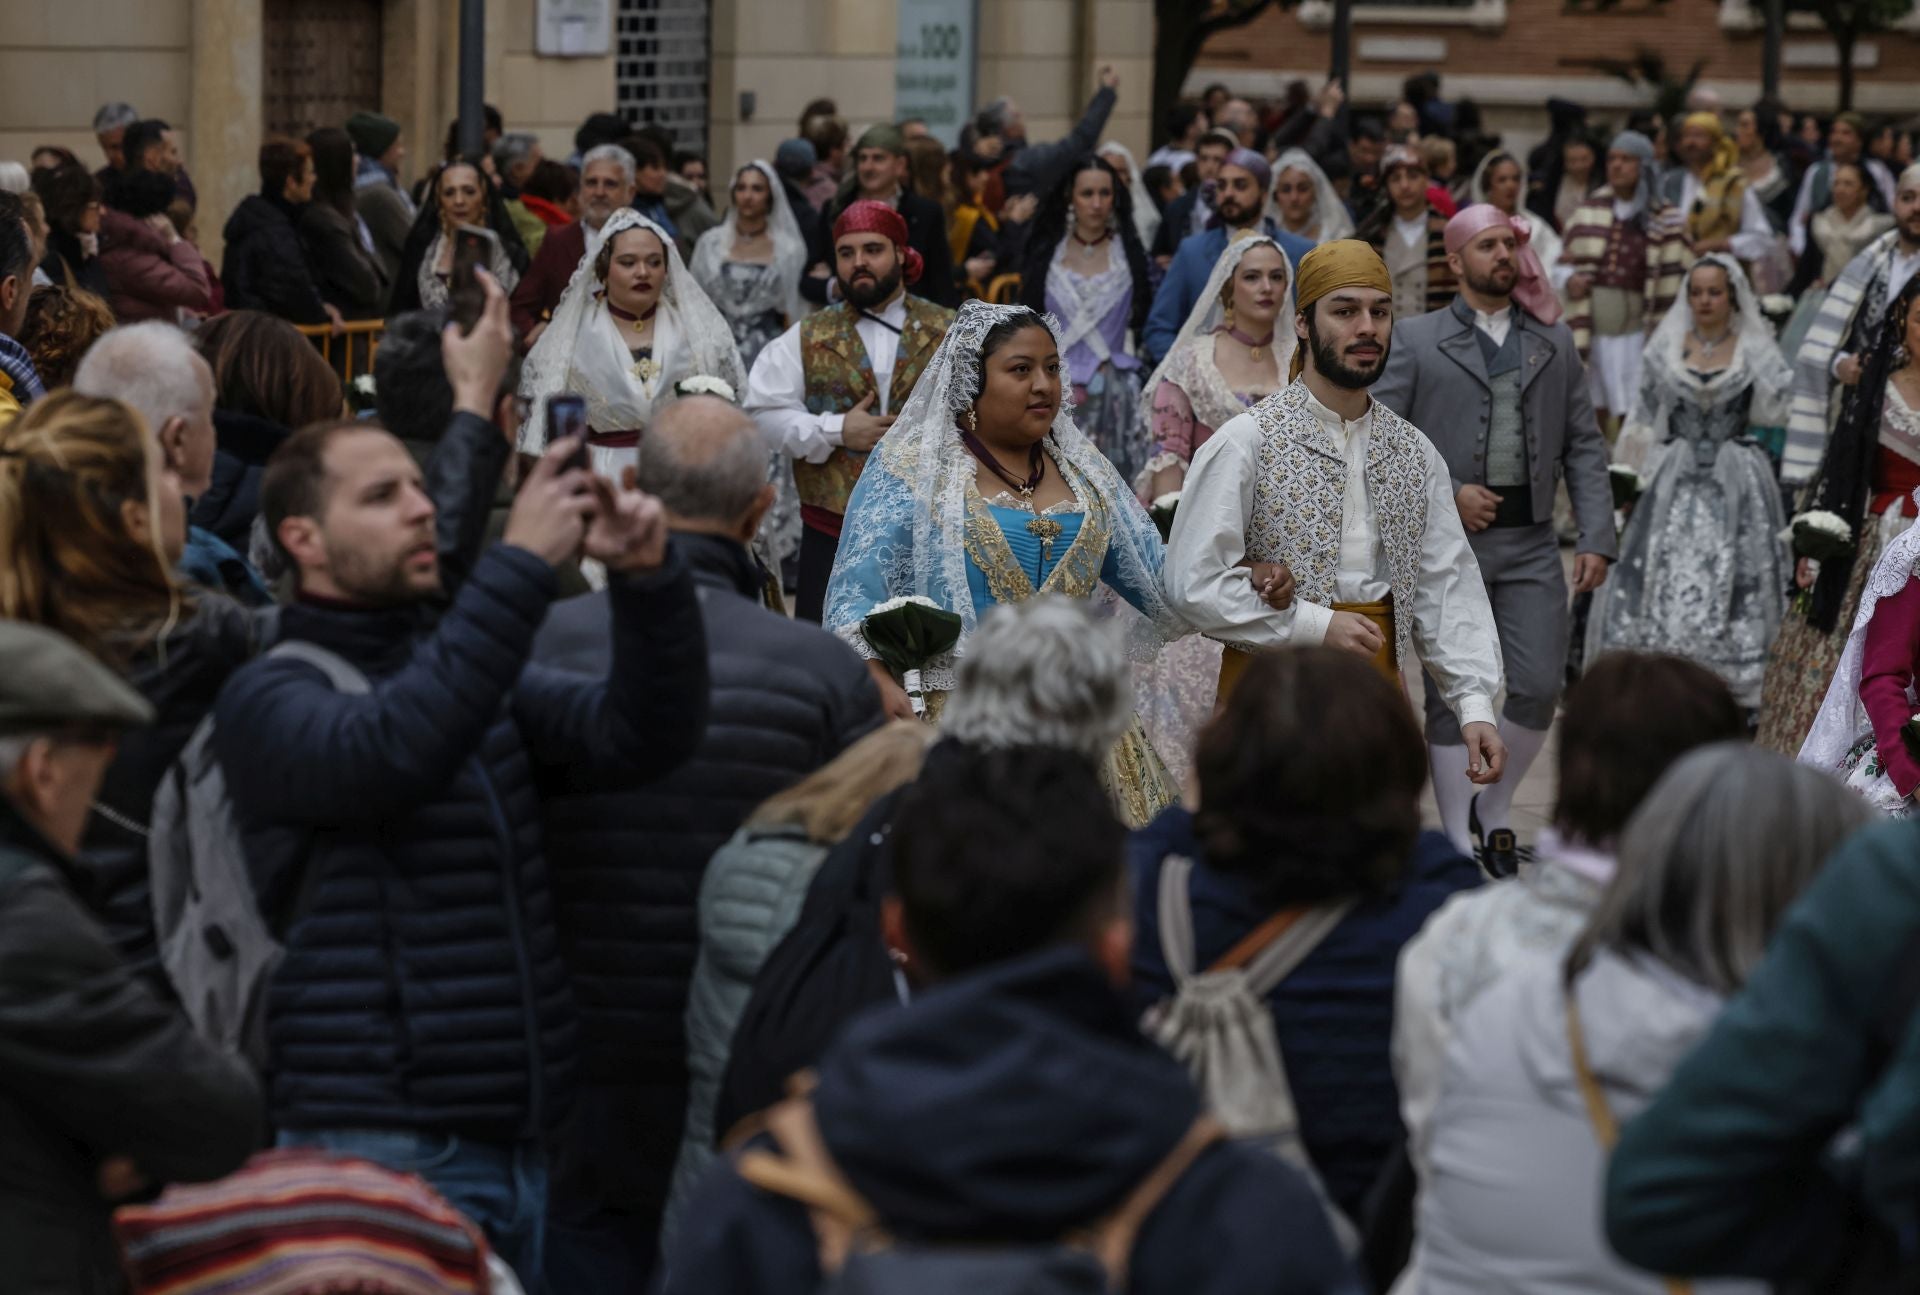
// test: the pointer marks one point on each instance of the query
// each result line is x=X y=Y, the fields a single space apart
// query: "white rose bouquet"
x=907 y=634
x=1162 y=510
x=703 y=385
x=1820 y=535
x=360 y=393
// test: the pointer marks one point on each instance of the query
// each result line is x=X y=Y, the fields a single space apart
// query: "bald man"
x=786 y=697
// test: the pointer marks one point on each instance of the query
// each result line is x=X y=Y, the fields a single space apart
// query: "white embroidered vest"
x=1298 y=496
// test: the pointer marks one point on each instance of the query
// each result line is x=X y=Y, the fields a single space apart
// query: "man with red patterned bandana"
x=813 y=391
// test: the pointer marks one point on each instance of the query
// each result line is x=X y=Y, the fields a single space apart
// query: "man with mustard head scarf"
x=1354 y=500
x=1723 y=212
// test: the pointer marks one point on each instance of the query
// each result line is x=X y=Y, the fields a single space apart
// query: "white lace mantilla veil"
x=916 y=483
x=1665 y=378
x=1842 y=720
x=1146 y=216
x=789 y=254
x=582 y=351
x=1335 y=221
x=1209 y=316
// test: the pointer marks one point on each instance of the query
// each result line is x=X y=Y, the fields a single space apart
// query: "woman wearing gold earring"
x=984 y=492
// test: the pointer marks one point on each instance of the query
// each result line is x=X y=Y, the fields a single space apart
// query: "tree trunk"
x=1176 y=44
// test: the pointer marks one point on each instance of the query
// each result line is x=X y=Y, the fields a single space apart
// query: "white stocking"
x=1452 y=792
x=1523 y=748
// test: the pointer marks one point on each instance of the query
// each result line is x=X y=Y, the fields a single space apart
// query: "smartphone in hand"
x=567 y=416
x=472 y=249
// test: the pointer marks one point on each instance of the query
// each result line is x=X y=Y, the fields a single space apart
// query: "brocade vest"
x=839 y=376
x=1299 y=494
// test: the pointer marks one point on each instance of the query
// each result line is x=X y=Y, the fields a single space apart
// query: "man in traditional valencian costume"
x=1354 y=500
x=813 y=393
x=1624 y=260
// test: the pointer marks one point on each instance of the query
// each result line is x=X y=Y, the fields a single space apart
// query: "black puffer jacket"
x=787 y=697
x=266 y=263
x=422 y=986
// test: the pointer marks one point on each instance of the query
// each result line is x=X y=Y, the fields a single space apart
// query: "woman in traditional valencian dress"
x=1866 y=480
x=750 y=264
x=1702 y=571
x=1086 y=266
x=984 y=492
x=1837 y=233
x=1305 y=202
x=631 y=325
x=1231 y=354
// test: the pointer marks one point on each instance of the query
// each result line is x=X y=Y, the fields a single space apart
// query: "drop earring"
x=1900 y=357
x=1229 y=316
x=973 y=420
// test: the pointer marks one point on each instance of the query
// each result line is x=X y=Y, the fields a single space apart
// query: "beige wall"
x=55 y=68
x=197 y=64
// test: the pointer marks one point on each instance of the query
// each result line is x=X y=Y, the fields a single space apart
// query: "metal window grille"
x=661 y=69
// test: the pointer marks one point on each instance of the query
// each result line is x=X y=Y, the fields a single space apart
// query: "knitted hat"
x=372 y=134
x=795 y=159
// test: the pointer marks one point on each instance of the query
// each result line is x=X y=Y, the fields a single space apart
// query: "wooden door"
x=321 y=63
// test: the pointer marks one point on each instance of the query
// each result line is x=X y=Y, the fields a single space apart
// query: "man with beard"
x=1836 y=345
x=386 y=783
x=606 y=185
x=1241 y=192
x=881 y=173
x=1621 y=267
x=813 y=391
x=1355 y=501
x=1498 y=380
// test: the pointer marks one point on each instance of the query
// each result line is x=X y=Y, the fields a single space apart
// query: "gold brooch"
x=646 y=369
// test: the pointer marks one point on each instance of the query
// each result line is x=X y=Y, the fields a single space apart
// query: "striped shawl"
x=1667 y=258
x=1811 y=414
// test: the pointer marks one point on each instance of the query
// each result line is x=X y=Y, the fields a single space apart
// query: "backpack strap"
x=1288 y=946
x=804 y=1171
x=342 y=675
x=1111 y=1241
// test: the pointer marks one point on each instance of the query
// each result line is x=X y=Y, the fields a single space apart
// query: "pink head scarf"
x=1531 y=288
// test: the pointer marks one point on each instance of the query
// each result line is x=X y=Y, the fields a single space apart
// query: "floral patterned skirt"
x=1108 y=411
x=1803 y=659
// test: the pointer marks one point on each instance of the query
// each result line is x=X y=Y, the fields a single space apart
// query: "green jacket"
x=1729 y=1172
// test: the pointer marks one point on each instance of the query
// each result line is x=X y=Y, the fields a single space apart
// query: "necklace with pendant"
x=1707 y=348
x=628 y=317
x=1252 y=343
x=1045 y=529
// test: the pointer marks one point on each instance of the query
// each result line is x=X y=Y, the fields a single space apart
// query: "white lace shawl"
x=782 y=290
x=1331 y=219
x=1208 y=316
x=1083 y=302
x=1842 y=720
x=583 y=350
x=1665 y=378
x=1146 y=216
x=906 y=524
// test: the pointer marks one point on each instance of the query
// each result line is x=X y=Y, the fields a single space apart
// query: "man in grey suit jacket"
x=1505 y=399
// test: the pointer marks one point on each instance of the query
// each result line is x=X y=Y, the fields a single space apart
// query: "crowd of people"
x=852 y=722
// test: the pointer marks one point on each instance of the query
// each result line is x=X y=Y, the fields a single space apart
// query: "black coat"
x=346 y=273
x=786 y=698
x=93 y=1065
x=1018 y=1104
x=422 y=986
x=926 y=234
x=266 y=263
x=243 y=444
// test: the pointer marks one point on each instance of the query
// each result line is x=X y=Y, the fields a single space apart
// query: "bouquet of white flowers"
x=1776 y=306
x=1162 y=510
x=908 y=633
x=1626 y=484
x=360 y=394
x=1820 y=535
x=703 y=385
